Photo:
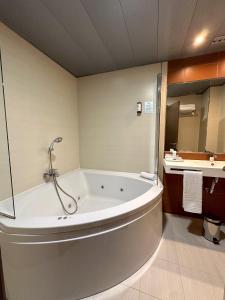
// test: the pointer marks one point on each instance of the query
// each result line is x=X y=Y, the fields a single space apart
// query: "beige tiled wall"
x=42 y=98
x=112 y=136
x=41 y=105
x=5 y=181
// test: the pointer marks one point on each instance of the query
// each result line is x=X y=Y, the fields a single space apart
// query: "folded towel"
x=185 y=108
x=147 y=175
x=192 y=191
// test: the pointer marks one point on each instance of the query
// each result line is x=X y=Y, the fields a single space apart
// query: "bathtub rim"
x=52 y=225
x=78 y=235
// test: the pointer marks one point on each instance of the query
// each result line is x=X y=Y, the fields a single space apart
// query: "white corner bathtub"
x=47 y=255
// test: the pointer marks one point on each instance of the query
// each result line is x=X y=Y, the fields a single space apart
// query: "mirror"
x=195 y=116
x=6 y=191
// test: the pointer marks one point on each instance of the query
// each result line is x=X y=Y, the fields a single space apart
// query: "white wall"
x=112 y=136
x=5 y=182
x=215 y=141
x=41 y=102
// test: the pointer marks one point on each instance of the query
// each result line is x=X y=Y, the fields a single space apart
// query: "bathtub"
x=48 y=255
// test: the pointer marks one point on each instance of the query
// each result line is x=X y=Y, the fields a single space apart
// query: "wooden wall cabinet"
x=210 y=66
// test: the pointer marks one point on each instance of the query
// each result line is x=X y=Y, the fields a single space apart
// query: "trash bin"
x=211 y=229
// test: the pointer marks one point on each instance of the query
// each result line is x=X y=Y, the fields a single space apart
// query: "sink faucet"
x=212 y=156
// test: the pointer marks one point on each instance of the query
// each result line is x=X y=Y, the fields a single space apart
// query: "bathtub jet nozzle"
x=56 y=140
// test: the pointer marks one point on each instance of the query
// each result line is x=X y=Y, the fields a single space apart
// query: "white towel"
x=149 y=176
x=192 y=191
x=187 y=108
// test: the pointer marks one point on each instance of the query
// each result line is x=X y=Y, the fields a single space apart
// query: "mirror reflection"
x=195 y=117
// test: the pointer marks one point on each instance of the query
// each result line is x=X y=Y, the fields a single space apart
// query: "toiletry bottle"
x=174 y=155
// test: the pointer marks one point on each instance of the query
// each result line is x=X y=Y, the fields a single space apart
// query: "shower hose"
x=58 y=187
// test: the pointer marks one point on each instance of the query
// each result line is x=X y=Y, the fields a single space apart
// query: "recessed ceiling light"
x=200 y=38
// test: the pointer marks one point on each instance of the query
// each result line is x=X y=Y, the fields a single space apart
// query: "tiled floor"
x=186 y=266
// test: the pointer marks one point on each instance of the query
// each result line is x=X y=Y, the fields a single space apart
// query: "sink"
x=209 y=164
x=209 y=169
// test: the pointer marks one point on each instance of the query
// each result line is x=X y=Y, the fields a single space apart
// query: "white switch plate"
x=149 y=107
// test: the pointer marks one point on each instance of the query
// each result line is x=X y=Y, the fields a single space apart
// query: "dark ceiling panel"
x=141 y=17
x=94 y=36
x=107 y=17
x=76 y=22
x=218 y=47
x=174 y=19
x=32 y=21
x=209 y=15
x=221 y=30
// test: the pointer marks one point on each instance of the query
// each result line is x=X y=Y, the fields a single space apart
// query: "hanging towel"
x=192 y=191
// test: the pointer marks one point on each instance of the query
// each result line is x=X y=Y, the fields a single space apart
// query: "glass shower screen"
x=157 y=124
x=6 y=190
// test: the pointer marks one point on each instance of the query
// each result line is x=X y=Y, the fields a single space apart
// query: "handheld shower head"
x=56 y=140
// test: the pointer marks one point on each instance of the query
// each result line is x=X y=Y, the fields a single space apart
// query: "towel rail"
x=179 y=169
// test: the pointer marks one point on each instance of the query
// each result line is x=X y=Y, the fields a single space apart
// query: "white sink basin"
x=209 y=169
x=209 y=164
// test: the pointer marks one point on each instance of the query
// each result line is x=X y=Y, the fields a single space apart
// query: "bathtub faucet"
x=51 y=172
x=48 y=175
x=51 y=176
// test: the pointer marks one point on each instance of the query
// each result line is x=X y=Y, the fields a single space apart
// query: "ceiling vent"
x=219 y=40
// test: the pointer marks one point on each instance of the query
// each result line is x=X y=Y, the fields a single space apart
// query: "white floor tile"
x=134 y=280
x=168 y=251
x=195 y=257
x=144 y=296
x=119 y=292
x=201 y=286
x=163 y=280
x=186 y=266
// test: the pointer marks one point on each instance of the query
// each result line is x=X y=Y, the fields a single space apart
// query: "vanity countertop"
x=209 y=169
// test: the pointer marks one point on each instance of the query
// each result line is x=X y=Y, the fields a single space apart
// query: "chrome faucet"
x=212 y=156
x=51 y=176
x=48 y=175
x=51 y=172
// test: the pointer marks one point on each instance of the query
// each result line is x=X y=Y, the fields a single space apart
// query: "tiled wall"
x=41 y=102
x=112 y=136
x=5 y=182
